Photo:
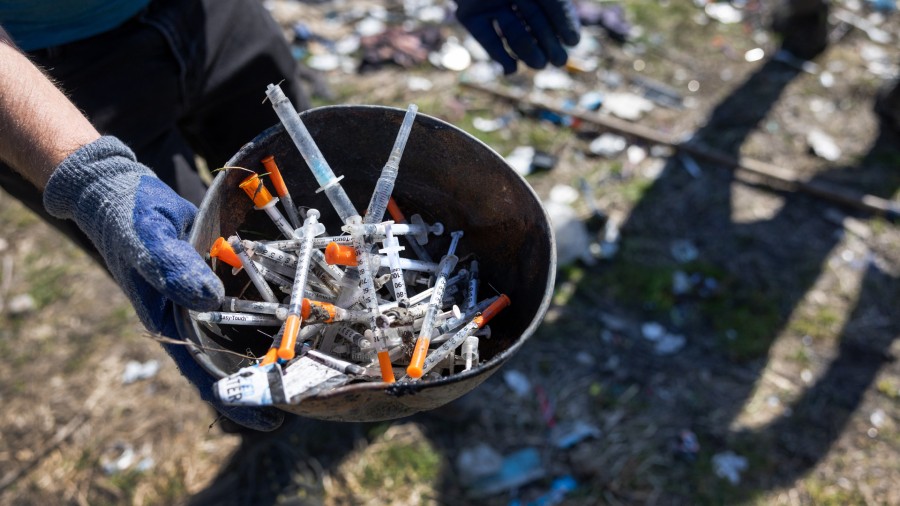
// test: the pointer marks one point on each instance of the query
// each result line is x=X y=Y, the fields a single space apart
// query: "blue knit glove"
x=138 y=224
x=534 y=30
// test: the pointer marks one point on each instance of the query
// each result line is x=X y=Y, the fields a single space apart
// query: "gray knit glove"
x=138 y=224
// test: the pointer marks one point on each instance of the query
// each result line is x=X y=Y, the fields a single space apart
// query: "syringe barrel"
x=310 y=152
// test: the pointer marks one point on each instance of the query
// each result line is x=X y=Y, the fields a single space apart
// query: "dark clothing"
x=182 y=78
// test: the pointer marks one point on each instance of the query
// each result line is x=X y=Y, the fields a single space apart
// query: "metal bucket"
x=445 y=175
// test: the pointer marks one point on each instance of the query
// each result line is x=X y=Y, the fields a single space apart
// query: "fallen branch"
x=774 y=176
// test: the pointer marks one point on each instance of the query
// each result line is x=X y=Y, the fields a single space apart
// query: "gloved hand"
x=138 y=224
x=534 y=30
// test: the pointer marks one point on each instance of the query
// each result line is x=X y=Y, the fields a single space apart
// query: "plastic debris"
x=591 y=100
x=21 y=304
x=137 y=371
x=669 y=344
x=635 y=154
x=451 y=56
x=564 y=194
x=518 y=469
x=520 y=159
x=609 y=245
x=552 y=78
x=723 y=12
x=652 y=331
x=517 y=382
x=478 y=462
x=729 y=465
x=627 y=106
x=482 y=72
x=687 y=447
x=573 y=242
x=559 y=489
x=418 y=83
x=683 y=251
x=754 y=55
x=660 y=93
x=608 y=145
x=565 y=436
x=117 y=458
x=610 y=17
x=491 y=124
x=822 y=145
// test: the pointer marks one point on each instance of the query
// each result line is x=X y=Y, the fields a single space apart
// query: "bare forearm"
x=39 y=126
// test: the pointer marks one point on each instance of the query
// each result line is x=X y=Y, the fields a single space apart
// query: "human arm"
x=136 y=222
x=533 y=31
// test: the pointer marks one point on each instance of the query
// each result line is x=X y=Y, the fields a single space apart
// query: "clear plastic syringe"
x=470 y=351
x=439 y=354
x=472 y=291
x=262 y=199
x=282 y=190
x=370 y=301
x=231 y=318
x=250 y=268
x=415 y=370
x=329 y=183
x=392 y=249
x=223 y=251
x=311 y=228
x=375 y=231
x=385 y=184
x=399 y=218
x=338 y=254
x=251 y=306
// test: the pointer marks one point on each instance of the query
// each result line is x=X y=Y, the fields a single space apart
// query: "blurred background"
x=717 y=336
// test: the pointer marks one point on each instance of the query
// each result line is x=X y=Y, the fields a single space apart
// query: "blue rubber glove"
x=534 y=30
x=138 y=224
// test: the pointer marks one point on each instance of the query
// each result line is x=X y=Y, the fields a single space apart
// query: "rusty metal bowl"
x=445 y=175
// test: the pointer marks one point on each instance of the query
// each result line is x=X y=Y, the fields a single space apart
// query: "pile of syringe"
x=349 y=305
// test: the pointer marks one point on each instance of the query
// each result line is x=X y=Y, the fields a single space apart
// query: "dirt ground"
x=787 y=304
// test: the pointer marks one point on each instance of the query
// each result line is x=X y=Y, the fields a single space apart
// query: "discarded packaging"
x=729 y=465
x=518 y=468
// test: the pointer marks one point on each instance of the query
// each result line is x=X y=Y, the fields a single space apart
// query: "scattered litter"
x=687 y=447
x=517 y=382
x=658 y=92
x=683 y=251
x=754 y=55
x=325 y=62
x=559 y=489
x=608 y=145
x=690 y=165
x=518 y=469
x=477 y=51
x=635 y=154
x=609 y=246
x=591 y=100
x=477 y=462
x=729 y=465
x=610 y=17
x=546 y=405
x=482 y=72
x=451 y=56
x=822 y=145
x=520 y=159
x=585 y=358
x=652 y=331
x=418 y=83
x=563 y=194
x=368 y=27
x=21 y=304
x=627 y=106
x=826 y=79
x=874 y=33
x=723 y=12
x=137 y=371
x=681 y=283
x=669 y=344
x=877 y=418
x=117 y=458
x=552 y=78
x=398 y=46
x=565 y=436
x=573 y=241
x=788 y=58
x=489 y=124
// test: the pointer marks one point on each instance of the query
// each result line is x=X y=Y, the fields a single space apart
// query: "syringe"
x=370 y=301
x=282 y=190
x=231 y=318
x=338 y=254
x=385 y=184
x=419 y=230
x=470 y=352
x=250 y=268
x=329 y=183
x=392 y=249
x=472 y=292
x=447 y=264
x=262 y=199
x=311 y=228
x=399 y=218
x=251 y=306
x=454 y=342
x=223 y=251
